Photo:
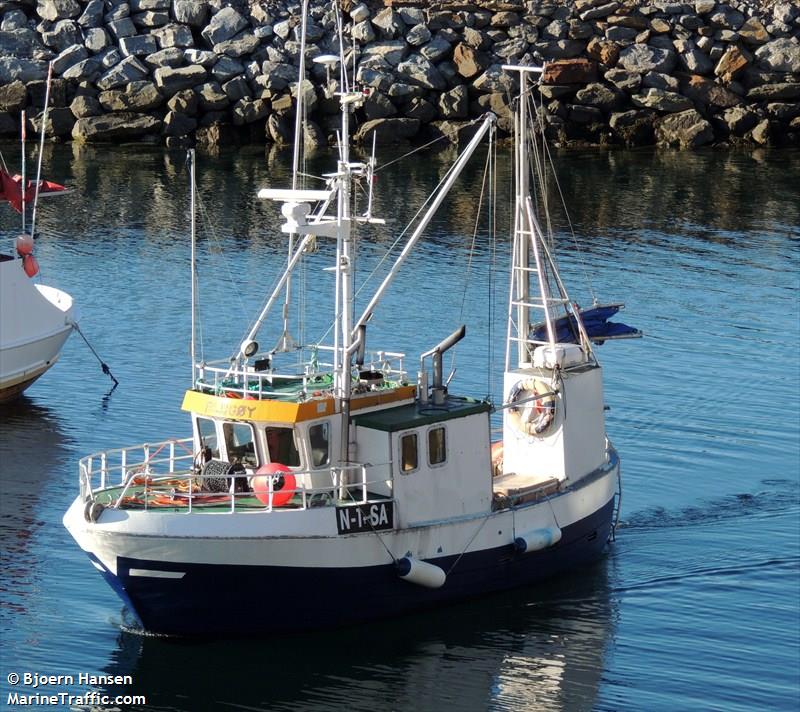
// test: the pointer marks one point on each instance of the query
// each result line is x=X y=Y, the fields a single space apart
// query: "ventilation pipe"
x=438 y=389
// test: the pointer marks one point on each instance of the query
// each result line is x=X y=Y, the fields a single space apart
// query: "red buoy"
x=283 y=484
x=30 y=265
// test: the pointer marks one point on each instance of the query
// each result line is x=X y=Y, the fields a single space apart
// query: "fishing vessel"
x=324 y=484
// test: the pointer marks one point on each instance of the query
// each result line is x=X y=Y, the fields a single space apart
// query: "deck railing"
x=119 y=467
x=307 y=378
x=164 y=475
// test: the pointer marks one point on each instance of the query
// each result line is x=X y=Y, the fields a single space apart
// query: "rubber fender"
x=420 y=572
x=537 y=539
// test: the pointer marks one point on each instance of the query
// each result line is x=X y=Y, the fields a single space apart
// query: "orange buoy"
x=24 y=245
x=30 y=265
x=283 y=484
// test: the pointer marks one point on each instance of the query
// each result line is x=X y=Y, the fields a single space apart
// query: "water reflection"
x=708 y=194
x=704 y=249
x=537 y=649
x=32 y=449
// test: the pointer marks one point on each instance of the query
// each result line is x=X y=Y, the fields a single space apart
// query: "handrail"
x=121 y=471
x=219 y=377
x=196 y=496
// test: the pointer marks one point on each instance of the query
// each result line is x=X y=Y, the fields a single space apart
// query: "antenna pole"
x=286 y=343
x=24 y=180
x=41 y=146
x=194 y=255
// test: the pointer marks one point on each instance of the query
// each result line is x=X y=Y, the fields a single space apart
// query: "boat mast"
x=527 y=237
x=520 y=243
x=344 y=272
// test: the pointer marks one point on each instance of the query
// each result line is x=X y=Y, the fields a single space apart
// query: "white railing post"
x=89 y=472
x=270 y=492
x=103 y=471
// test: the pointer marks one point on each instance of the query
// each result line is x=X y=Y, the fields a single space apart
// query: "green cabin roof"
x=406 y=417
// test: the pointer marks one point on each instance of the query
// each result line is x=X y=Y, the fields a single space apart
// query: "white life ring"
x=534 y=417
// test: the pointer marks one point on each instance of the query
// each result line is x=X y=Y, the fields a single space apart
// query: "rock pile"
x=630 y=72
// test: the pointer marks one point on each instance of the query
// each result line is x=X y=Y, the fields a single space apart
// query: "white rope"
x=471 y=251
x=391 y=247
x=472 y=538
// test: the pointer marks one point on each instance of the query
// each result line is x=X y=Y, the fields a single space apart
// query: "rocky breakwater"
x=217 y=71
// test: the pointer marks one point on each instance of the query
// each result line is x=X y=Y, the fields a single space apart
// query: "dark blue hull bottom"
x=248 y=600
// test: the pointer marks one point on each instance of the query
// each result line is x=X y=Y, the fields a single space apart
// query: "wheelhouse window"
x=240 y=443
x=319 y=440
x=281 y=446
x=409 y=459
x=437 y=446
x=209 y=447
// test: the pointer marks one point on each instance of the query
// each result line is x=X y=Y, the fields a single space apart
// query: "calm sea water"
x=696 y=605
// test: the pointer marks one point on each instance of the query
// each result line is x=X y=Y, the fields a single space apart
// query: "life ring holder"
x=537 y=419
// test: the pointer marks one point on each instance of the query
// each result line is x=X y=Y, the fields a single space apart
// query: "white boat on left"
x=35 y=321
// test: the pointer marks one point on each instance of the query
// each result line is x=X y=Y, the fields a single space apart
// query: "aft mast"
x=531 y=257
x=540 y=440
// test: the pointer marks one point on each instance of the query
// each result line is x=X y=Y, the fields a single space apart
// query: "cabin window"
x=280 y=443
x=320 y=444
x=437 y=446
x=239 y=443
x=207 y=430
x=408 y=452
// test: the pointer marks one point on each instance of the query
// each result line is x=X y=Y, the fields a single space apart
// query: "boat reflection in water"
x=32 y=447
x=530 y=649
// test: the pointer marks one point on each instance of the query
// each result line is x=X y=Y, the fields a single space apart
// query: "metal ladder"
x=523 y=298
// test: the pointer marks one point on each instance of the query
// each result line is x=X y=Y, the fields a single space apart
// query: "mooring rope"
x=103 y=365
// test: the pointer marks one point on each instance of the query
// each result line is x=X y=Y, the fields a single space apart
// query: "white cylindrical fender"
x=537 y=539
x=420 y=572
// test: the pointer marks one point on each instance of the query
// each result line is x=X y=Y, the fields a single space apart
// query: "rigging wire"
x=484 y=192
x=546 y=151
x=215 y=239
x=445 y=135
x=391 y=247
x=492 y=267
x=196 y=311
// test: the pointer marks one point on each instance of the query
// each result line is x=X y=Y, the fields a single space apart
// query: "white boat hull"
x=204 y=573
x=35 y=322
x=22 y=364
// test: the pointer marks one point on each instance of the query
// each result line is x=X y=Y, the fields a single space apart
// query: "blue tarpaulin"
x=596 y=322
